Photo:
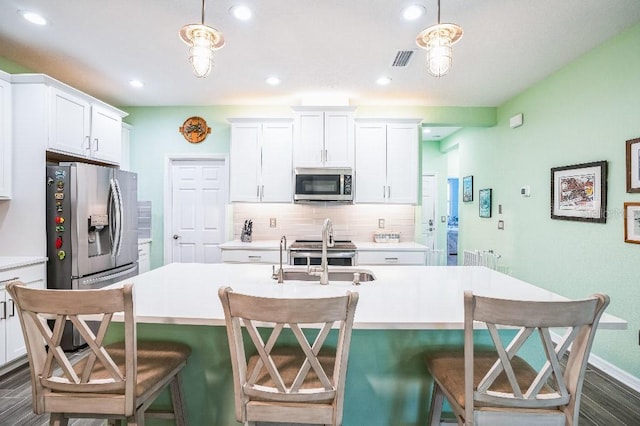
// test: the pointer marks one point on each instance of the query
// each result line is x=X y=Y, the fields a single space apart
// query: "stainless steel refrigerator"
x=92 y=229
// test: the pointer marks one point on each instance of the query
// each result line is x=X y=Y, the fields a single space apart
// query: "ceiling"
x=335 y=47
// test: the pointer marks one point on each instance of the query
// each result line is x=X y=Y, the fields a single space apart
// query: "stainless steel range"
x=303 y=252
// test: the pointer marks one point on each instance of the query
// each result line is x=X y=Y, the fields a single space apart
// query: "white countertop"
x=402 y=297
x=360 y=245
x=254 y=245
x=10 y=262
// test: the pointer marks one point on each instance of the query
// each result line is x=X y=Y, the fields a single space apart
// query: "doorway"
x=196 y=195
x=452 y=221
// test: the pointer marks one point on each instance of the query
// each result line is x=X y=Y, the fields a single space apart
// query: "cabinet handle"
x=4 y=310
x=384 y=191
x=326 y=156
x=10 y=280
x=262 y=192
x=13 y=309
x=88 y=148
x=391 y=259
x=389 y=192
x=258 y=191
x=97 y=144
x=255 y=258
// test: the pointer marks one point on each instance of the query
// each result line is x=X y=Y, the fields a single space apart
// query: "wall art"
x=467 y=189
x=579 y=192
x=484 y=196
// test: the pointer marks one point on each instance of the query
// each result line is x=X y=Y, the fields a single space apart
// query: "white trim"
x=167 y=193
x=615 y=372
x=606 y=367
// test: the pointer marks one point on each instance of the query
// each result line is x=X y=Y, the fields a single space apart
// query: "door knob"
x=176 y=236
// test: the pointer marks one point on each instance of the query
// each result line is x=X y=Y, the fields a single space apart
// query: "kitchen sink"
x=334 y=275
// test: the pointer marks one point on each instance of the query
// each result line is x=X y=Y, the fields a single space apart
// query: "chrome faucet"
x=327 y=241
x=283 y=246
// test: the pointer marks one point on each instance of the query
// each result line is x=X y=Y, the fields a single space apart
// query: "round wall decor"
x=195 y=129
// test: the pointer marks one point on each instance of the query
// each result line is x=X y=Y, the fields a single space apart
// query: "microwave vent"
x=402 y=58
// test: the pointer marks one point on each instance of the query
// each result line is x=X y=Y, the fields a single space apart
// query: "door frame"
x=436 y=238
x=168 y=194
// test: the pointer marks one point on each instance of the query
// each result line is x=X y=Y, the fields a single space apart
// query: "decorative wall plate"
x=195 y=129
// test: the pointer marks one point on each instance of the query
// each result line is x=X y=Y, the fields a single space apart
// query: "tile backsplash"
x=357 y=222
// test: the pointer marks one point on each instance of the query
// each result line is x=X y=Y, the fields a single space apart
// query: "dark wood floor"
x=605 y=402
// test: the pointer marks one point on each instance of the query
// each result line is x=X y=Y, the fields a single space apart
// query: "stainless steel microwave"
x=323 y=184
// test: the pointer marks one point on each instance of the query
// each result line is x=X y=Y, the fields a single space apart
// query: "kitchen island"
x=405 y=311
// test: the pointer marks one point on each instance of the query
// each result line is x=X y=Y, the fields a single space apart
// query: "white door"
x=429 y=220
x=198 y=200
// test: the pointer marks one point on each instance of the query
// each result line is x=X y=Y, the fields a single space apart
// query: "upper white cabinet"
x=324 y=136
x=6 y=141
x=260 y=160
x=75 y=123
x=386 y=165
x=83 y=128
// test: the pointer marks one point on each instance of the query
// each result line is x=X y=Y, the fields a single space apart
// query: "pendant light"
x=203 y=41
x=437 y=40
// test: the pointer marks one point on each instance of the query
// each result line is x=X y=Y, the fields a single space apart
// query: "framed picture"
x=633 y=165
x=579 y=192
x=632 y=223
x=467 y=188
x=484 y=195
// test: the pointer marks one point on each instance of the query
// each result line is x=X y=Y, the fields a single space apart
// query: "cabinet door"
x=276 y=170
x=371 y=158
x=33 y=277
x=3 y=325
x=106 y=135
x=144 y=257
x=69 y=125
x=338 y=138
x=245 y=162
x=6 y=140
x=402 y=163
x=309 y=139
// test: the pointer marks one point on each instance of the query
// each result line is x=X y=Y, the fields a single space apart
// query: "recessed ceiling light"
x=413 y=12
x=136 y=83
x=33 y=17
x=383 y=81
x=240 y=12
x=273 y=80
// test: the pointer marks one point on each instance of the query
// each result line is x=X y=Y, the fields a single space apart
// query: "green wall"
x=582 y=113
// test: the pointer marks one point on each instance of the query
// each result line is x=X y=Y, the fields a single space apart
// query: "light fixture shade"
x=437 y=40
x=203 y=40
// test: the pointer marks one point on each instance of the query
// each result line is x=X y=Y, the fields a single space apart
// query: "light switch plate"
x=380 y=223
x=272 y=222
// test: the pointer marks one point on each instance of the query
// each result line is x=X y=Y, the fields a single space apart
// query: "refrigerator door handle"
x=116 y=218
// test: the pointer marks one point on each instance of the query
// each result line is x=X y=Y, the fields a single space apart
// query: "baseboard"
x=615 y=372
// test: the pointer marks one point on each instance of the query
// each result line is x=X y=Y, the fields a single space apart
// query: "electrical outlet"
x=380 y=223
x=272 y=222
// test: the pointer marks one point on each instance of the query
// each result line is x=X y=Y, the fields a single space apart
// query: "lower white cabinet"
x=13 y=346
x=380 y=257
x=253 y=256
x=144 y=256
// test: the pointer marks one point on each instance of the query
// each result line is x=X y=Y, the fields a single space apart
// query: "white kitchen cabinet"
x=253 y=256
x=84 y=128
x=6 y=141
x=391 y=257
x=13 y=346
x=76 y=124
x=260 y=160
x=144 y=256
x=386 y=166
x=125 y=163
x=323 y=137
